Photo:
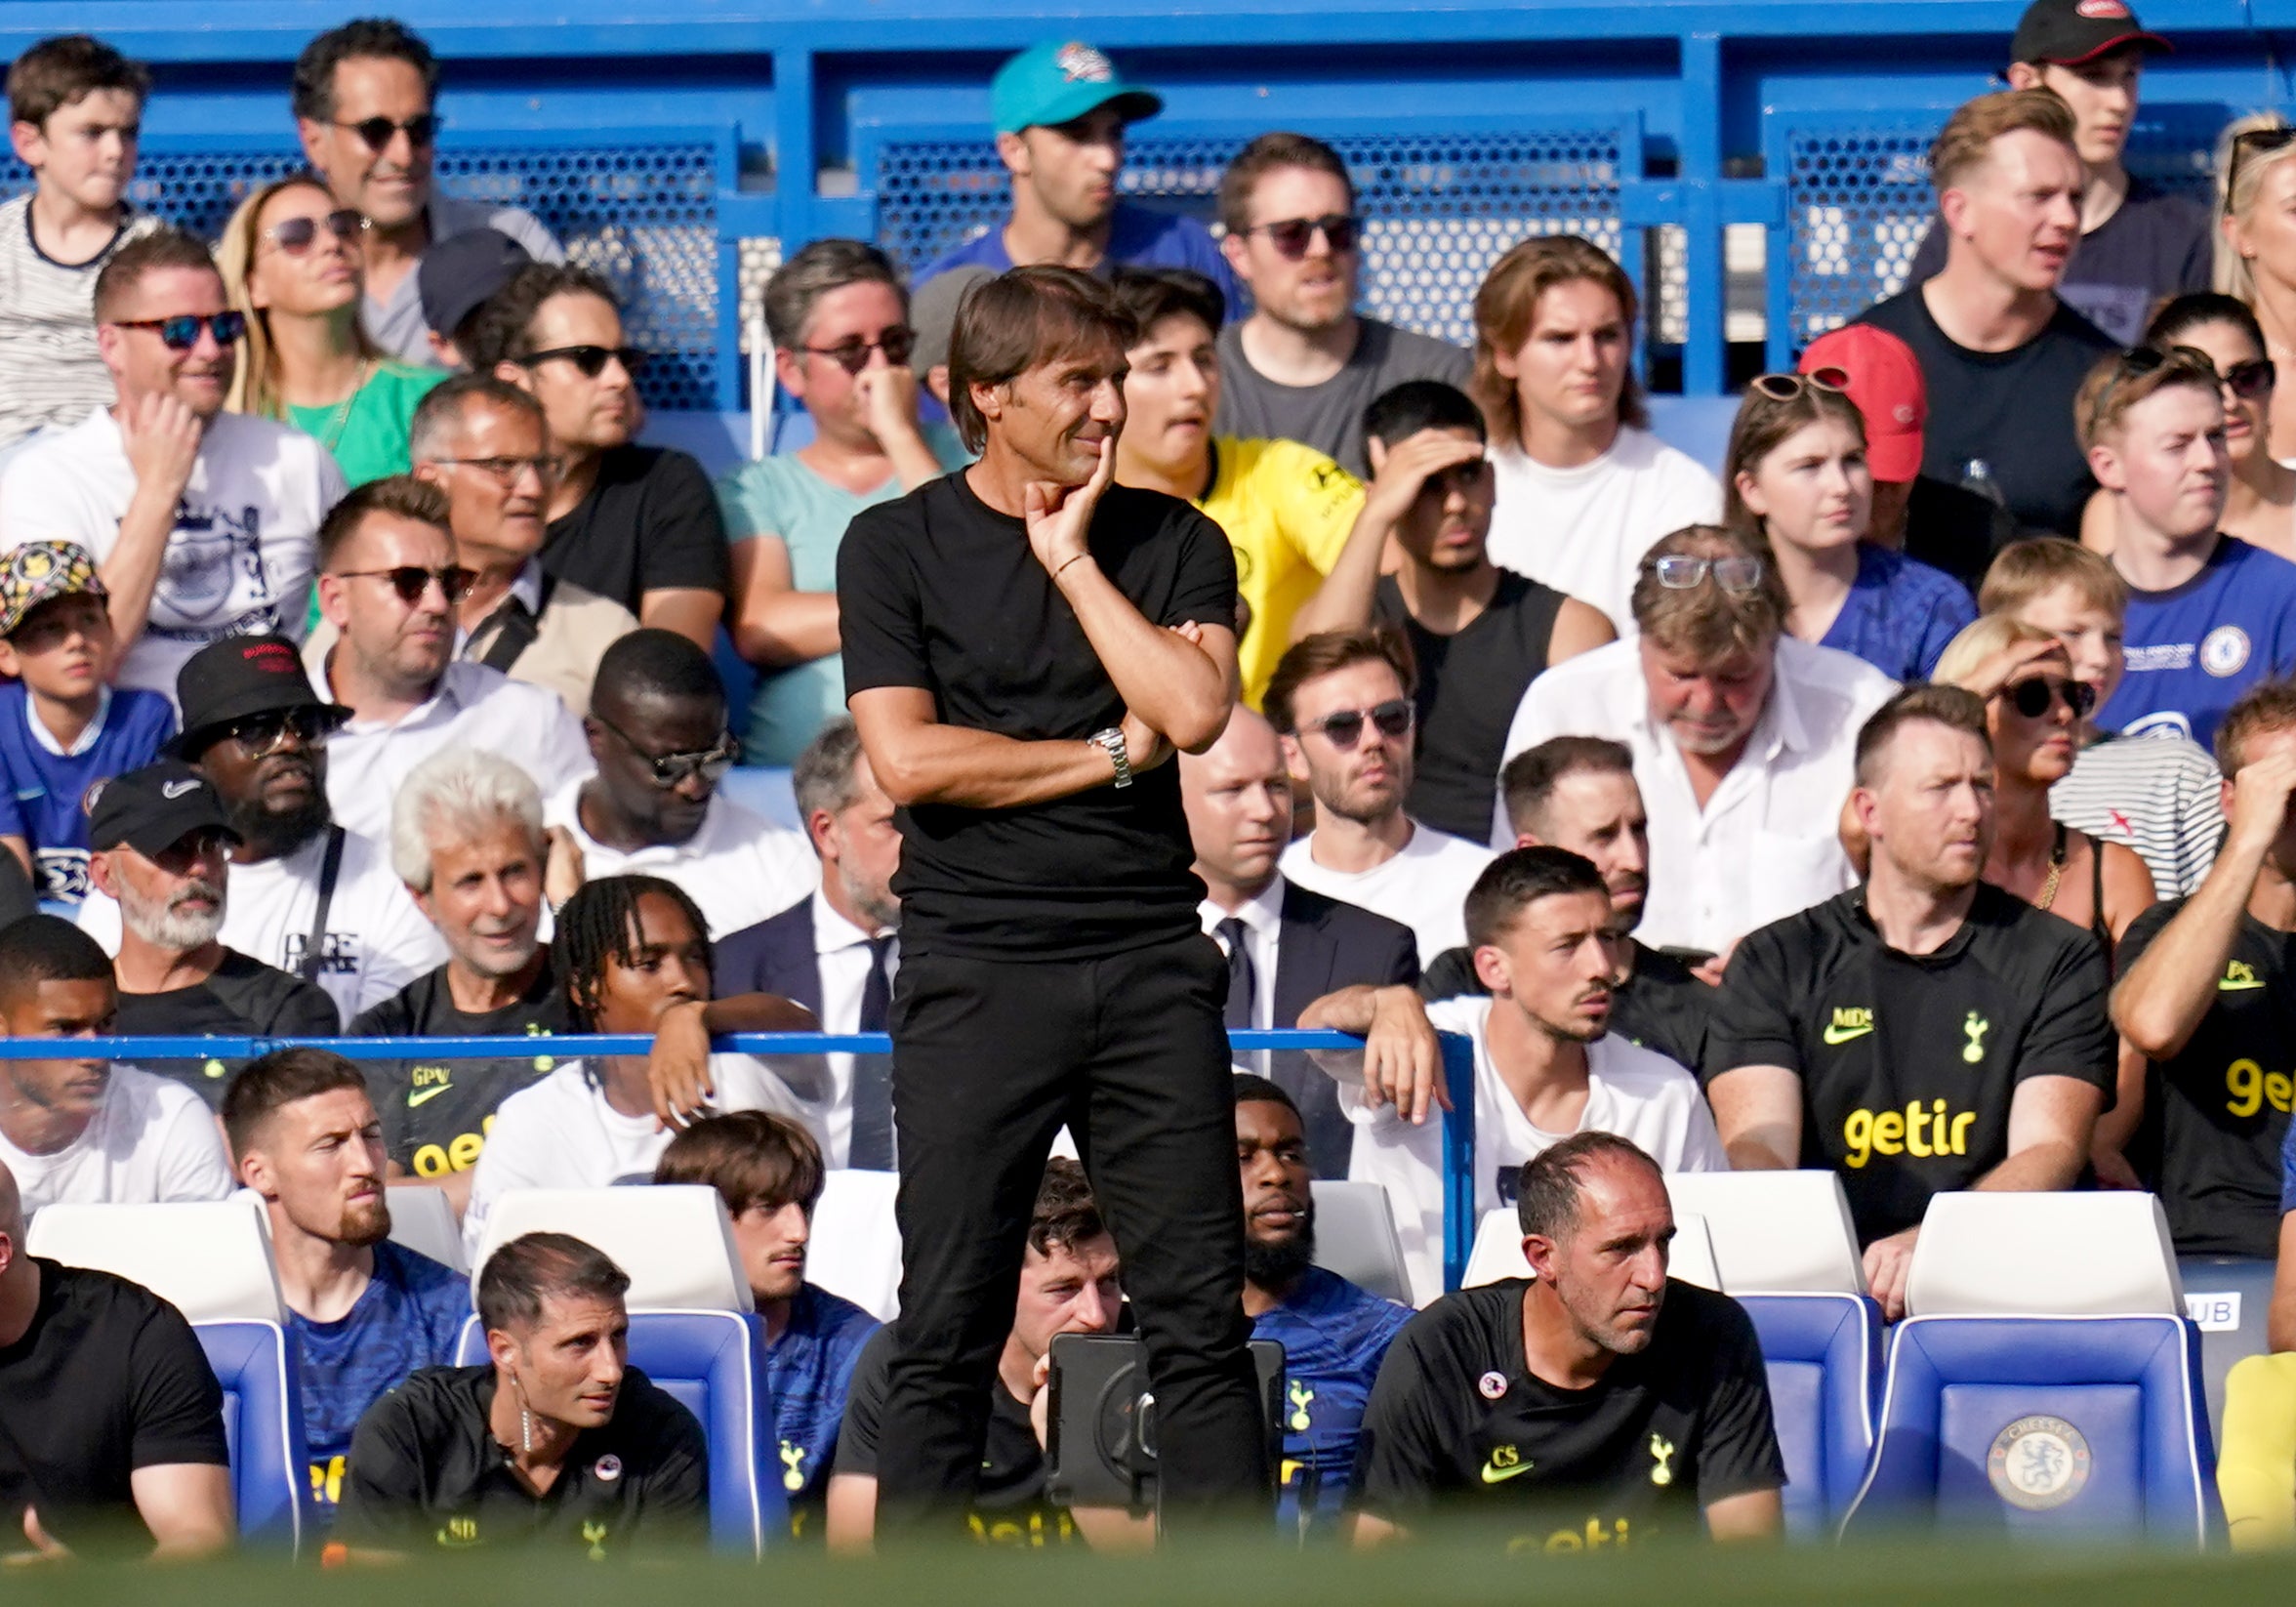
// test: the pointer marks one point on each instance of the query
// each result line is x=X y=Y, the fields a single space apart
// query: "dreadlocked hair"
x=599 y=922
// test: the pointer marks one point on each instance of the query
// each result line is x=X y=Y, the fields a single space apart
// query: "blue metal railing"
x=1459 y=1073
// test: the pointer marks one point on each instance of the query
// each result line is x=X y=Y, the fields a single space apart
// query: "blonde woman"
x=290 y=261
x=2256 y=244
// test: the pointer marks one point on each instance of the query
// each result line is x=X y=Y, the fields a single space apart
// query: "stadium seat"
x=856 y=1248
x=2228 y=1297
x=1355 y=1237
x=675 y=1241
x=262 y=1428
x=1776 y=1233
x=1822 y=1353
x=422 y=1219
x=2046 y=1382
x=1498 y=1251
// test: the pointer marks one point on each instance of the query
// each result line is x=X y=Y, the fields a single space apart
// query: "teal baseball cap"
x=1060 y=81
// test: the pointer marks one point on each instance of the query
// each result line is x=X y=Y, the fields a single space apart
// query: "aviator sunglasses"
x=1344 y=727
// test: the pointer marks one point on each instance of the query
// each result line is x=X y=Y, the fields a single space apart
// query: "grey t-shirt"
x=1329 y=417
x=396 y=325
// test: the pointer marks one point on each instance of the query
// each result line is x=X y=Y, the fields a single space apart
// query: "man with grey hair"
x=162 y=845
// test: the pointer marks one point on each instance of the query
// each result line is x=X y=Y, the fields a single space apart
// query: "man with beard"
x=364 y=1312
x=306 y=895
x=1578 y=793
x=1545 y=1067
x=1923 y=1033
x=1343 y=700
x=1600 y=1400
x=163 y=853
x=1334 y=1334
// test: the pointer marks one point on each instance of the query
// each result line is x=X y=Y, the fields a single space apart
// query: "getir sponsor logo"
x=1919 y=1130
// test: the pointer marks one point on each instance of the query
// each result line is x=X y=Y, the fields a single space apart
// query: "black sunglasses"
x=296 y=236
x=2259 y=141
x=2032 y=698
x=1345 y=728
x=180 y=333
x=2251 y=379
x=264 y=734
x=411 y=580
x=852 y=353
x=593 y=359
x=1291 y=236
x=669 y=769
x=375 y=132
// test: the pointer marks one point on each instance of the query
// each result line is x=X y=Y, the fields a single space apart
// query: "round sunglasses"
x=1344 y=727
x=296 y=236
x=2032 y=698
x=375 y=132
x=1787 y=386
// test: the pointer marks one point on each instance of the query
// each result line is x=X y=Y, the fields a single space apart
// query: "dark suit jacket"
x=775 y=956
x=1326 y=946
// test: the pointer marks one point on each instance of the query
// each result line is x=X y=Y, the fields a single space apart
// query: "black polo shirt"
x=1908 y=1062
x=426 y=1475
x=938 y=591
x=2222 y=1102
x=1661 y=1006
x=1458 y=1418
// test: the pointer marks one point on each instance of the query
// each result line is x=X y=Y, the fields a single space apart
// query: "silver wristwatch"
x=1111 y=743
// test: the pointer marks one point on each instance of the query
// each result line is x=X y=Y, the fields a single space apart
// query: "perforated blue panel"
x=1439 y=209
x=642 y=212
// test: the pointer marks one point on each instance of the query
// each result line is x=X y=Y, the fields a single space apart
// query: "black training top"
x=649 y=524
x=1458 y=1416
x=244 y=999
x=940 y=592
x=1908 y=1062
x=2222 y=1102
x=426 y=1475
x=109 y=1378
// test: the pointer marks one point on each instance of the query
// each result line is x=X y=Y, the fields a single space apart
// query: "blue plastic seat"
x=1822 y=1353
x=262 y=1427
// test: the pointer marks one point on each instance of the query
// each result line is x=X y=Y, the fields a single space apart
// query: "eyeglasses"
x=375 y=132
x=1735 y=574
x=852 y=354
x=296 y=236
x=1787 y=386
x=411 y=580
x=1291 y=236
x=669 y=769
x=2032 y=698
x=505 y=470
x=592 y=359
x=2263 y=142
x=2141 y=360
x=261 y=735
x=1344 y=727
x=2251 y=379
x=180 y=333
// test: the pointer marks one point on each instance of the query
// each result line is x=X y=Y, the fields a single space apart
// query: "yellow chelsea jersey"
x=1287 y=510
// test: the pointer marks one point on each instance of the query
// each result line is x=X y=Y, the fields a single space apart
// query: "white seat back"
x=2106 y=1252
x=1774 y=1232
x=1498 y=1251
x=856 y=1248
x=210 y=1259
x=674 y=1240
x=1355 y=1237
x=422 y=1219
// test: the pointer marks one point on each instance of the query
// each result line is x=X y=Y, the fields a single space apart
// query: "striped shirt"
x=2158 y=795
x=49 y=371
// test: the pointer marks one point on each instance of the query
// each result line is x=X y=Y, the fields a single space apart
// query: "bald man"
x=114 y=1427
x=1286 y=946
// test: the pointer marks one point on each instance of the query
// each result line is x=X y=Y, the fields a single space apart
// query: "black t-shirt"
x=649 y=524
x=940 y=592
x=1895 y=1050
x=109 y=1378
x=1009 y=1504
x=1953 y=528
x=426 y=1475
x=437 y=1114
x=244 y=999
x=2223 y=1102
x=2014 y=408
x=1469 y=685
x=1661 y=1006
x=1668 y=1432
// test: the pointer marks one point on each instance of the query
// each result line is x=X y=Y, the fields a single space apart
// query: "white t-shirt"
x=239 y=562
x=473 y=707
x=153 y=1142
x=1424 y=886
x=1632 y=1091
x=559 y=1132
x=376 y=941
x=739 y=868
x=1583 y=530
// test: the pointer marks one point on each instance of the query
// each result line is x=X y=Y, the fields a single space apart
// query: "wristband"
x=1063 y=569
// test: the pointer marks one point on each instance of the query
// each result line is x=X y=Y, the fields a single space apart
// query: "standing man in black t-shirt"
x=2002 y=356
x=1480 y=635
x=1926 y=1032
x=1606 y=1402
x=1025 y=646
x=2208 y=994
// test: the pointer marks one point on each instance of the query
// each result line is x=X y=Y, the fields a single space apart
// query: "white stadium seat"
x=1774 y=1232
x=1355 y=1237
x=210 y=1259
x=856 y=1248
x=674 y=1240
x=2105 y=1252
x=1499 y=1250
x=422 y=1219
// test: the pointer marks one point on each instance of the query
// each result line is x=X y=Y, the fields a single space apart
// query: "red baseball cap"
x=1884 y=379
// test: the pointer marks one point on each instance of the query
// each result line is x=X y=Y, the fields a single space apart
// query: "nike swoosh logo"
x=2229 y=985
x=423 y=1096
x=177 y=789
x=1499 y=1475
x=1837 y=1036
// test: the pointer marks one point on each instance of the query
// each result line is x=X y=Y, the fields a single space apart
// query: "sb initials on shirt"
x=1918 y=1131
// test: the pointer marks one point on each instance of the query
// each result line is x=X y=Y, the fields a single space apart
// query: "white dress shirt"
x=1768 y=843
x=739 y=868
x=841 y=954
x=1423 y=884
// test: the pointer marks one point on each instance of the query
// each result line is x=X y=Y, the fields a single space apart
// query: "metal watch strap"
x=1111 y=743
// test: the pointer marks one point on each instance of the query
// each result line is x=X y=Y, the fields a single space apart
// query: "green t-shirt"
x=369 y=439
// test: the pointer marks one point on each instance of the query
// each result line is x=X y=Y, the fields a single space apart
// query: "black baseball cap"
x=230 y=680
x=153 y=808
x=2065 y=33
x=462 y=273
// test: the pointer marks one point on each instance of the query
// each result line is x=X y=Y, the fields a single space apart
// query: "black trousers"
x=990 y=1057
